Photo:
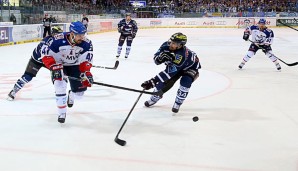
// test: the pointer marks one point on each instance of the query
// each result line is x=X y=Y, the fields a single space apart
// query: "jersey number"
x=45 y=51
x=89 y=57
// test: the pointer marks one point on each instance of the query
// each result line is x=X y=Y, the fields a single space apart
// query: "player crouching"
x=262 y=38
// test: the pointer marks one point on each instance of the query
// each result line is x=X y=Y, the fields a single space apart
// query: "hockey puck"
x=195 y=119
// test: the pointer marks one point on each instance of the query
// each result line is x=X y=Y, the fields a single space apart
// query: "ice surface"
x=248 y=118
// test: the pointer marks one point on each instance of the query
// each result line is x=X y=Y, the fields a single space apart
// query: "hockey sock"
x=127 y=51
x=271 y=57
x=119 y=50
x=21 y=82
x=248 y=55
x=61 y=103
x=181 y=94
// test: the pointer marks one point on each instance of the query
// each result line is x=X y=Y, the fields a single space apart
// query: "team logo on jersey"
x=171 y=68
x=73 y=55
x=260 y=37
x=178 y=59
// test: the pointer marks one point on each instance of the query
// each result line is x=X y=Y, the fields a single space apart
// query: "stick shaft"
x=134 y=105
x=291 y=64
x=118 y=87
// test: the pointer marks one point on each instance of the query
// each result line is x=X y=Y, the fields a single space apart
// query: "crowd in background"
x=195 y=6
x=33 y=10
x=179 y=6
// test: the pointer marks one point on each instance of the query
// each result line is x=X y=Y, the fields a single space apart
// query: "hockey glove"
x=265 y=48
x=56 y=69
x=245 y=36
x=165 y=56
x=85 y=66
x=87 y=79
x=133 y=35
x=148 y=84
x=120 y=29
x=57 y=72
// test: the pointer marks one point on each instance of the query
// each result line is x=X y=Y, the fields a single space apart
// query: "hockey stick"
x=159 y=93
x=278 y=20
x=291 y=64
x=117 y=139
x=115 y=66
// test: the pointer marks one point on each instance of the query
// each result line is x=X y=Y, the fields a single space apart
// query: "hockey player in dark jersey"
x=128 y=29
x=33 y=65
x=262 y=38
x=181 y=63
x=70 y=54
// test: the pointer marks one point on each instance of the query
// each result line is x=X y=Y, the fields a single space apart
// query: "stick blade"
x=120 y=142
x=293 y=64
x=116 y=64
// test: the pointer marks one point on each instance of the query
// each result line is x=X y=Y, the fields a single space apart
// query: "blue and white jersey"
x=263 y=37
x=184 y=59
x=127 y=28
x=36 y=55
x=66 y=53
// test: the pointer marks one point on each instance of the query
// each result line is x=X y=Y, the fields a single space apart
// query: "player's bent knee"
x=129 y=43
x=79 y=95
x=186 y=81
x=193 y=74
x=32 y=68
x=60 y=86
x=27 y=77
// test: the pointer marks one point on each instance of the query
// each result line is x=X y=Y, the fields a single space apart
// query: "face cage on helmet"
x=178 y=42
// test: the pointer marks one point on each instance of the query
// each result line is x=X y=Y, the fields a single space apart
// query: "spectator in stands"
x=13 y=18
x=85 y=20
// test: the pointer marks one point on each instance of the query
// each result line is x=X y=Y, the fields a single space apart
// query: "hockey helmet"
x=77 y=27
x=128 y=14
x=179 y=38
x=262 y=21
x=56 y=30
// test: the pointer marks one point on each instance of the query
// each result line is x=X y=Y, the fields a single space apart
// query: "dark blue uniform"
x=128 y=30
x=36 y=55
x=184 y=65
x=32 y=68
x=185 y=60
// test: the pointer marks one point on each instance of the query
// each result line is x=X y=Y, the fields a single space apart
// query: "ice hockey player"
x=33 y=65
x=128 y=29
x=69 y=54
x=262 y=38
x=181 y=63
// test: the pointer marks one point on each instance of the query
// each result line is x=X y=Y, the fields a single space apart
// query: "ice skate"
x=241 y=65
x=278 y=67
x=11 y=95
x=175 y=108
x=149 y=103
x=61 y=118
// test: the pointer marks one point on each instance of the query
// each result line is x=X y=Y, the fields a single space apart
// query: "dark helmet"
x=179 y=38
x=56 y=30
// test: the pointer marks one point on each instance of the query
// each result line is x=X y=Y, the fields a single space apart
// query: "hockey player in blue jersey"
x=128 y=29
x=262 y=38
x=33 y=65
x=69 y=54
x=181 y=63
